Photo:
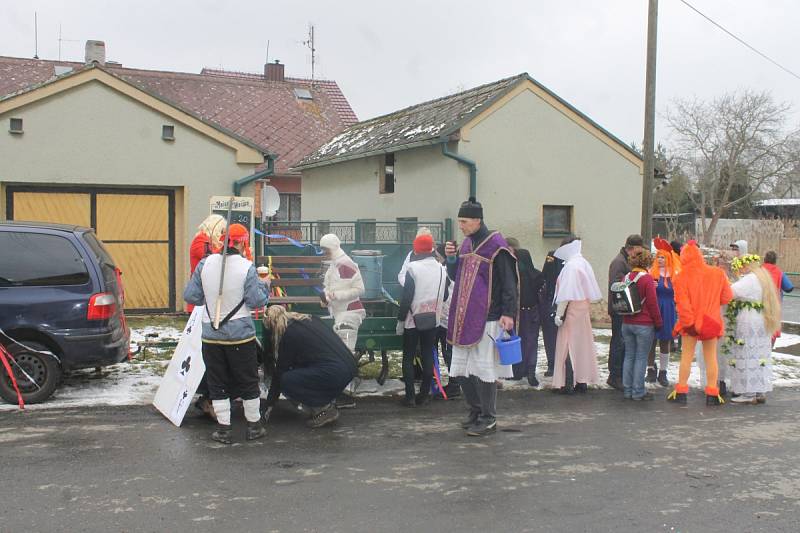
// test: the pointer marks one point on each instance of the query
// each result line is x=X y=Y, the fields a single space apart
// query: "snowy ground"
x=135 y=383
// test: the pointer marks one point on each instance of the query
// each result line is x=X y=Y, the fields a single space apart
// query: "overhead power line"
x=742 y=41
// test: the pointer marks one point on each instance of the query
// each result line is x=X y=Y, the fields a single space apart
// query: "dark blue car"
x=61 y=306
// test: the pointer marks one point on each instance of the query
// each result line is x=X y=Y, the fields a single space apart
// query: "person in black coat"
x=310 y=363
x=550 y=271
x=531 y=282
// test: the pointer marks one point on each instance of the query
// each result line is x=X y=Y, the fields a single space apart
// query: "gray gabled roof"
x=425 y=123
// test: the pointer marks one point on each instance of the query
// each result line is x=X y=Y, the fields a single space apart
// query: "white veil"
x=577 y=281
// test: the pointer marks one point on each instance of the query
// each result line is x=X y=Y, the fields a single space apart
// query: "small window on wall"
x=386 y=174
x=15 y=125
x=556 y=220
x=168 y=132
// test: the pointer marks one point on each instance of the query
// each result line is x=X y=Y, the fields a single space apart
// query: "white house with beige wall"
x=89 y=148
x=543 y=169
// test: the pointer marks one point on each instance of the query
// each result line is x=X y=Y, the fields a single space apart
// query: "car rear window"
x=99 y=251
x=37 y=259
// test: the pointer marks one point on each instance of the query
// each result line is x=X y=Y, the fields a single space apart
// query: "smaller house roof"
x=430 y=122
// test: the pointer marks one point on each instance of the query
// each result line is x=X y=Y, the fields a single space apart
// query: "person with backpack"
x=639 y=326
x=616 y=271
x=424 y=290
x=229 y=334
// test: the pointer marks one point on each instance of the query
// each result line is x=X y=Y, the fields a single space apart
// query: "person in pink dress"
x=576 y=289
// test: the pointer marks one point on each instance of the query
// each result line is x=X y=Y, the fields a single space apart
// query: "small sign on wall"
x=241 y=212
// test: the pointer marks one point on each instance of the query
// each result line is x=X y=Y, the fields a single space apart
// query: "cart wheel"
x=384 y=368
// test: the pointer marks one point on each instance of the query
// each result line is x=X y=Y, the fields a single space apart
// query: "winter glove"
x=558 y=321
x=400 y=327
x=329 y=296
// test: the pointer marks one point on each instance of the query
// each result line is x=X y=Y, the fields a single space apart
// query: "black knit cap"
x=470 y=209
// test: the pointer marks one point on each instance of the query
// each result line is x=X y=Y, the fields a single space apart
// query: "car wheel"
x=42 y=368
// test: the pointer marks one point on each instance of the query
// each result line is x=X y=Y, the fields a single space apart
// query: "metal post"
x=649 y=124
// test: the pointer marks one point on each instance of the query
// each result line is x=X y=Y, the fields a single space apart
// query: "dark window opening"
x=556 y=220
x=387 y=174
x=15 y=125
x=35 y=259
x=289 y=209
x=168 y=132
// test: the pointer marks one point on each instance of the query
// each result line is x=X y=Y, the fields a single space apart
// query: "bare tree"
x=730 y=148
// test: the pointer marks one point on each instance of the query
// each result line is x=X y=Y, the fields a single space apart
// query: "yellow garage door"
x=136 y=227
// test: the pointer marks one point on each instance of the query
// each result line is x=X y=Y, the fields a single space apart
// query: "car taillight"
x=101 y=306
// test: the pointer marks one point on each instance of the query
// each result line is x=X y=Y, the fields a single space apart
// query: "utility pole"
x=649 y=124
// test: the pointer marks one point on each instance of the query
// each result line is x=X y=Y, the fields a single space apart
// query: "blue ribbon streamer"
x=293 y=242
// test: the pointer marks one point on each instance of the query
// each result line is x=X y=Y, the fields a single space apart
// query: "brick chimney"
x=95 y=52
x=274 y=71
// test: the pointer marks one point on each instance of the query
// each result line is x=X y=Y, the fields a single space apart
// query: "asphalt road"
x=582 y=463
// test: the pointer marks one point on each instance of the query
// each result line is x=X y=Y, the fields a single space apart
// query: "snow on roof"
x=776 y=202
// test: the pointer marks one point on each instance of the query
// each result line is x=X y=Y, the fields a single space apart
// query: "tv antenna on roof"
x=62 y=40
x=310 y=44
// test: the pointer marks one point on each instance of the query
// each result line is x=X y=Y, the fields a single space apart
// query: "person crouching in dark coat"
x=312 y=365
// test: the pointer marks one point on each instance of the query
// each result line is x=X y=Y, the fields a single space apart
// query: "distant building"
x=136 y=154
x=541 y=169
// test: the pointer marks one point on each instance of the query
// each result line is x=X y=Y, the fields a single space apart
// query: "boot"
x=714 y=400
x=222 y=434
x=662 y=378
x=255 y=430
x=482 y=428
x=421 y=400
x=471 y=419
x=324 y=416
x=651 y=374
x=677 y=397
x=581 y=387
x=532 y=381
x=714 y=396
x=723 y=388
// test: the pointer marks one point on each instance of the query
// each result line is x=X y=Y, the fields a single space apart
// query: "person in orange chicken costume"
x=700 y=292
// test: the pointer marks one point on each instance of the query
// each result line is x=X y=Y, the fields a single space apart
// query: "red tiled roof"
x=264 y=112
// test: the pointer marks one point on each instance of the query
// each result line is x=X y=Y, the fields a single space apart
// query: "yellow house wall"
x=92 y=135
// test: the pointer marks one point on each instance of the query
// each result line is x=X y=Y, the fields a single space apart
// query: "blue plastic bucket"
x=370 y=263
x=510 y=350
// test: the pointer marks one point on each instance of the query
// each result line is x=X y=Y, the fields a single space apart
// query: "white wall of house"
x=427 y=186
x=528 y=154
x=93 y=135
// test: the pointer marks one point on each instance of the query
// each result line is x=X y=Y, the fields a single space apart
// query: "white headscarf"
x=577 y=281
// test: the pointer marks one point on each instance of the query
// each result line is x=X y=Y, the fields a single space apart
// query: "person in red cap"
x=229 y=346
x=700 y=292
x=424 y=289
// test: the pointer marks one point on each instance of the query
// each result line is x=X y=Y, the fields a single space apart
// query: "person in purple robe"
x=485 y=303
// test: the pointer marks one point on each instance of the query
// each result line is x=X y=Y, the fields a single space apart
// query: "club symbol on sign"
x=185 y=365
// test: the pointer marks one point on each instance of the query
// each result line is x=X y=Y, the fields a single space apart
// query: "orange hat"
x=238 y=234
x=423 y=244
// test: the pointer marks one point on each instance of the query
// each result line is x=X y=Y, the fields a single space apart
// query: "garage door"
x=136 y=226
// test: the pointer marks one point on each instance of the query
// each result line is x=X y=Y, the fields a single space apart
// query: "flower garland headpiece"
x=739 y=262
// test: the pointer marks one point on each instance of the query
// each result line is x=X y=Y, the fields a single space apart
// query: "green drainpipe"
x=473 y=169
x=267 y=172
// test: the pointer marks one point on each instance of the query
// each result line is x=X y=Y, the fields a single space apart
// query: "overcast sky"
x=386 y=55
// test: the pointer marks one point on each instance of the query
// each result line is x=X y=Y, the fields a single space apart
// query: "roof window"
x=303 y=94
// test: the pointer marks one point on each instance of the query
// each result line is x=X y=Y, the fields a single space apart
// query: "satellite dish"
x=270 y=201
